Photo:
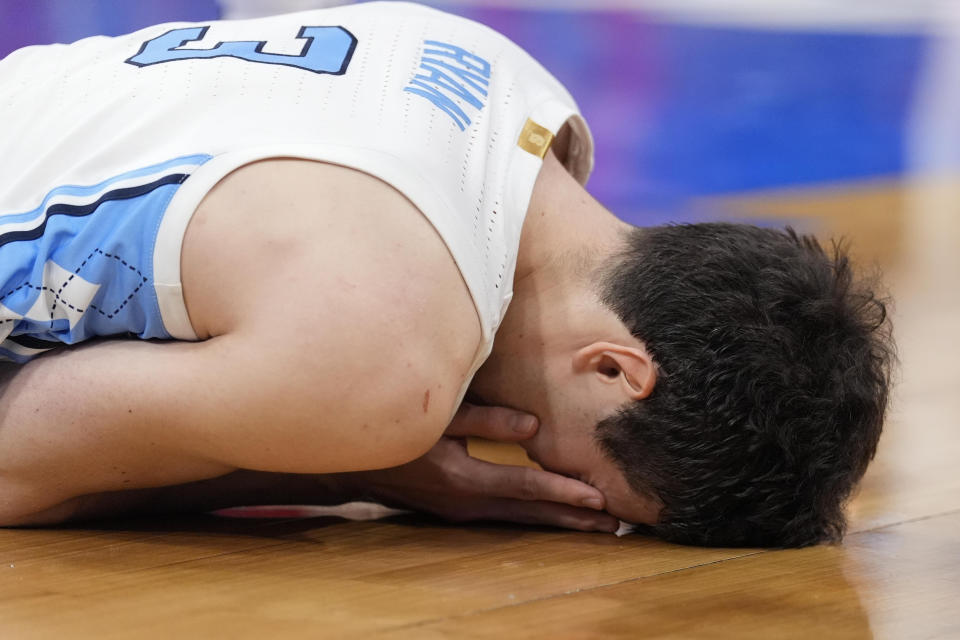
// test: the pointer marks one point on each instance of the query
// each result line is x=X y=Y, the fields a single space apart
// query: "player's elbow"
x=390 y=419
x=401 y=427
x=323 y=408
x=327 y=429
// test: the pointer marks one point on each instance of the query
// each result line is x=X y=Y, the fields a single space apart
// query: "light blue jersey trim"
x=81 y=265
x=81 y=191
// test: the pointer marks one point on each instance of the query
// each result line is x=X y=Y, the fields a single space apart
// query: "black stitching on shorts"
x=76 y=272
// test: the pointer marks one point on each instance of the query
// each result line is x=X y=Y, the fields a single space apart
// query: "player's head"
x=772 y=372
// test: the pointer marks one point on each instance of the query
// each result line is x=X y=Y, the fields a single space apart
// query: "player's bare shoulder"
x=339 y=266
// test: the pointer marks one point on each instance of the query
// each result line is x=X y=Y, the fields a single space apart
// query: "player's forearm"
x=245 y=488
x=240 y=488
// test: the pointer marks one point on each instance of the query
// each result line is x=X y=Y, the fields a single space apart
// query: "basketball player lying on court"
x=322 y=221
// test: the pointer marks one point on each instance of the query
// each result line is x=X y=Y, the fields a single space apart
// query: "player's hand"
x=449 y=483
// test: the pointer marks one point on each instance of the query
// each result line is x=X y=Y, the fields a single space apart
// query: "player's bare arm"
x=446 y=482
x=337 y=330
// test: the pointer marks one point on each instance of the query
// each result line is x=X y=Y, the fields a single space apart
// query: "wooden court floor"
x=897 y=575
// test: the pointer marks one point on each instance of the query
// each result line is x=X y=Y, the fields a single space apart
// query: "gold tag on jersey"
x=535 y=139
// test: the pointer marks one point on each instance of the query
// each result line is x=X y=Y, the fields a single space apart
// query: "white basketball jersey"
x=140 y=127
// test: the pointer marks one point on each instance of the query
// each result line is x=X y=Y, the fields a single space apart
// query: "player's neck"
x=566 y=235
x=565 y=230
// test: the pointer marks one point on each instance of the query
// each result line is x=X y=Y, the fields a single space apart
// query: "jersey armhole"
x=380 y=165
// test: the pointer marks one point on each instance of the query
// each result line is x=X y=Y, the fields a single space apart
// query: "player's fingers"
x=525 y=483
x=548 y=514
x=493 y=423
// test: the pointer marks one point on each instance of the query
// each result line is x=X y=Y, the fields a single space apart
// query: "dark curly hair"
x=773 y=374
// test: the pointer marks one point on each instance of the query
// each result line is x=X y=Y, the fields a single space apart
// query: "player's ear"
x=631 y=367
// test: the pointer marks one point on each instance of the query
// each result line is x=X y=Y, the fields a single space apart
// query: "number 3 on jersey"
x=327 y=50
